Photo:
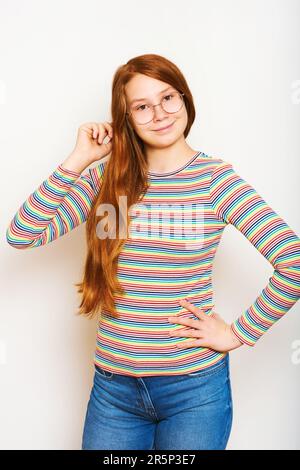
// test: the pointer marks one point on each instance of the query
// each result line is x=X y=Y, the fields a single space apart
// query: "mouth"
x=164 y=128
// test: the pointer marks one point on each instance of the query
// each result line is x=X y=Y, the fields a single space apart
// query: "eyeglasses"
x=171 y=103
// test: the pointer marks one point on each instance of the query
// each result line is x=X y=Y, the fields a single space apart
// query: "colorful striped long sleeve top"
x=188 y=210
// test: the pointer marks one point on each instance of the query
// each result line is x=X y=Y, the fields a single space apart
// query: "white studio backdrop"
x=241 y=59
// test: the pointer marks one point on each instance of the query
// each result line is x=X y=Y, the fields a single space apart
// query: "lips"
x=163 y=128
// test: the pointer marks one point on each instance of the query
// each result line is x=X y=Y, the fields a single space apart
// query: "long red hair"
x=125 y=175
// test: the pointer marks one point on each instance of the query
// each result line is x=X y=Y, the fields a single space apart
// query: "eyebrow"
x=141 y=99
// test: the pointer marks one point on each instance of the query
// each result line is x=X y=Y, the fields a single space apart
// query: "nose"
x=158 y=112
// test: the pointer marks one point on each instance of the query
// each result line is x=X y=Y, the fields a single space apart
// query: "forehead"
x=141 y=88
x=137 y=100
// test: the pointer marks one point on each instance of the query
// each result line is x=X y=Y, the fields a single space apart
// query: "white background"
x=242 y=62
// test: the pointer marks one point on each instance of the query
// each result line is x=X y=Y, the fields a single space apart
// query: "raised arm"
x=57 y=206
x=236 y=202
x=64 y=199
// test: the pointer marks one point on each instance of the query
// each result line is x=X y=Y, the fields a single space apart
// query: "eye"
x=167 y=96
x=138 y=108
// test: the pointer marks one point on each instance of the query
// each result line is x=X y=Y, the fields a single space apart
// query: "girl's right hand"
x=89 y=144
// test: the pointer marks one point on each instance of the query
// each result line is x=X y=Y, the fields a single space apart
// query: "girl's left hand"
x=211 y=331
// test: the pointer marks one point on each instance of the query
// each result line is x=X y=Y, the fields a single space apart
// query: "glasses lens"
x=171 y=103
x=142 y=113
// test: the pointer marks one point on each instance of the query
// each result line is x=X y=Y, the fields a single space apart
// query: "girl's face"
x=149 y=90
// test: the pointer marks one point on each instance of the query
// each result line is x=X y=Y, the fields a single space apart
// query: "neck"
x=163 y=160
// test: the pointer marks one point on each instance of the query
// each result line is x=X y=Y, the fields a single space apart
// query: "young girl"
x=156 y=210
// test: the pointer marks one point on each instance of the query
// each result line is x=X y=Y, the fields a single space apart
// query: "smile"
x=164 y=128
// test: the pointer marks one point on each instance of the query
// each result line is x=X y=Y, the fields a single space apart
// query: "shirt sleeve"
x=236 y=202
x=57 y=206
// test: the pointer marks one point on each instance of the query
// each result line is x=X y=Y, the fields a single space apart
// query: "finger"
x=87 y=130
x=109 y=128
x=102 y=132
x=181 y=321
x=105 y=130
x=186 y=321
x=192 y=308
x=189 y=344
x=182 y=332
x=95 y=130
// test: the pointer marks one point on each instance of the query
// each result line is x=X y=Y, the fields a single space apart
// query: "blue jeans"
x=188 y=411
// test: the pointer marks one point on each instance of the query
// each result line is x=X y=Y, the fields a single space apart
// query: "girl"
x=156 y=210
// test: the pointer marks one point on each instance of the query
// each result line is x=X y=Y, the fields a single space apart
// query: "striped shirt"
x=174 y=233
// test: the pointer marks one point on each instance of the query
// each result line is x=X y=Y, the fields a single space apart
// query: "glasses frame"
x=152 y=106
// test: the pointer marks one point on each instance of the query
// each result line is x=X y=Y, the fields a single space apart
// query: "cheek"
x=144 y=134
x=183 y=119
x=180 y=124
x=141 y=132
